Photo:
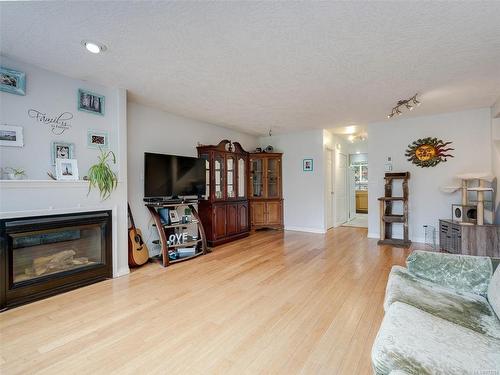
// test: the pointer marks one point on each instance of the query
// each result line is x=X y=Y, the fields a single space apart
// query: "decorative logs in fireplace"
x=46 y=255
x=61 y=261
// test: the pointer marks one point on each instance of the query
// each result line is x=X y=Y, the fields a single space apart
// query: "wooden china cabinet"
x=265 y=190
x=225 y=212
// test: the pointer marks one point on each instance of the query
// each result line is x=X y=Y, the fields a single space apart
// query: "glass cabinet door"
x=272 y=182
x=207 y=174
x=230 y=177
x=257 y=177
x=219 y=177
x=241 y=178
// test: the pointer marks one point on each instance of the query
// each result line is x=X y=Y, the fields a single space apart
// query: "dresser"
x=468 y=239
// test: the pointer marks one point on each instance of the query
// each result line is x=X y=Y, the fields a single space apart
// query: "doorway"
x=358 y=190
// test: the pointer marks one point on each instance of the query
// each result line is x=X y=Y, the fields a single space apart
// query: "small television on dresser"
x=172 y=176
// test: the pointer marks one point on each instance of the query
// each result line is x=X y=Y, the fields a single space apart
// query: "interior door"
x=341 y=194
x=330 y=189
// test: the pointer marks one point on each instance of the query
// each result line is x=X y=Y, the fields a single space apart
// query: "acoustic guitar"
x=138 y=253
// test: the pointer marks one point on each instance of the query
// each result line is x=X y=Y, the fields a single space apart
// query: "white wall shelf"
x=30 y=184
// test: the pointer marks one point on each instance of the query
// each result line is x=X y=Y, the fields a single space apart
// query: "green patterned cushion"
x=460 y=272
x=419 y=343
x=494 y=292
x=467 y=309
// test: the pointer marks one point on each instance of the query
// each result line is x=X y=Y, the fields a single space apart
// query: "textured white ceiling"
x=284 y=65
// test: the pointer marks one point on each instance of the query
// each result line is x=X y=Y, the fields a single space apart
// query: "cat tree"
x=473 y=182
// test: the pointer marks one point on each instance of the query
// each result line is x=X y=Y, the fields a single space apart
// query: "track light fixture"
x=410 y=104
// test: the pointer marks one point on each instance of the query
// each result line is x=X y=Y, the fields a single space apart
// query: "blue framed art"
x=12 y=81
x=307 y=165
x=90 y=102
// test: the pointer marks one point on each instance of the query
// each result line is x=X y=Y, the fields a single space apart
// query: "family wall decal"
x=58 y=123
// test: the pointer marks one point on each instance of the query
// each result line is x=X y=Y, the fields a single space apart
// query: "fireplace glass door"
x=41 y=253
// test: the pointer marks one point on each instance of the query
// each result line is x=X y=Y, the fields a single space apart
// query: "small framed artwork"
x=90 y=102
x=174 y=216
x=97 y=139
x=307 y=165
x=62 y=150
x=11 y=136
x=66 y=169
x=12 y=81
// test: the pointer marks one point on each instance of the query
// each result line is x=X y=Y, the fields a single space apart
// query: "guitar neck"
x=130 y=216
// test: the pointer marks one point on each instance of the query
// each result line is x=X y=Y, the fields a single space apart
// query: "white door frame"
x=346 y=190
x=330 y=188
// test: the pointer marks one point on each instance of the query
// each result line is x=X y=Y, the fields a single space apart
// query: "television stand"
x=170 y=250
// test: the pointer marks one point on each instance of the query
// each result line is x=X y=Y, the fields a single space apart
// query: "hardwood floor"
x=275 y=302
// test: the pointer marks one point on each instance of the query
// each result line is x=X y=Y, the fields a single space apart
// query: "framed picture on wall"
x=11 y=136
x=307 y=165
x=66 y=169
x=12 y=81
x=97 y=139
x=62 y=150
x=90 y=102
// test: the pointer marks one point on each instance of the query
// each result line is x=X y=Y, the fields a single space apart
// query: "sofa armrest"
x=463 y=273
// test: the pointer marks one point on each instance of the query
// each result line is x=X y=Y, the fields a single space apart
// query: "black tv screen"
x=167 y=176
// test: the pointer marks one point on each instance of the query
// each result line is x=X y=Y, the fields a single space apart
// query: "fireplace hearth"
x=46 y=255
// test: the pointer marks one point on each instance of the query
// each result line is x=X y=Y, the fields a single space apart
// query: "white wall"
x=470 y=132
x=495 y=153
x=53 y=94
x=303 y=192
x=153 y=130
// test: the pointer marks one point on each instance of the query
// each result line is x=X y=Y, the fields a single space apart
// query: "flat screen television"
x=171 y=176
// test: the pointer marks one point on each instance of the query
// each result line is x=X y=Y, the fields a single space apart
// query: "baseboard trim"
x=420 y=240
x=121 y=272
x=306 y=229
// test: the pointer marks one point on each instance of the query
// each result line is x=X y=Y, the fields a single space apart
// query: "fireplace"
x=46 y=255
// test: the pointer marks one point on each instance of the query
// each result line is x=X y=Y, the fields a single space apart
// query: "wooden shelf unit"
x=387 y=217
x=200 y=243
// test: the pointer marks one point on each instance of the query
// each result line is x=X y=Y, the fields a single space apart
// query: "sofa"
x=441 y=317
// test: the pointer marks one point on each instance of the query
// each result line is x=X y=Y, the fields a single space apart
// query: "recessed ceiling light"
x=93 y=47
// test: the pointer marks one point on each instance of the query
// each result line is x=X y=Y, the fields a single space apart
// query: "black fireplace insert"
x=46 y=255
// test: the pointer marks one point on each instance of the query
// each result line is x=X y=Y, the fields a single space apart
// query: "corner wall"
x=154 y=130
x=470 y=132
x=53 y=93
x=303 y=192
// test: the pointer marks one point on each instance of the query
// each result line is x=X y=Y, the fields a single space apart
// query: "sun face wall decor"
x=428 y=152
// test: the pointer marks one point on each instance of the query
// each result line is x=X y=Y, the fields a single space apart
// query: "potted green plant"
x=101 y=175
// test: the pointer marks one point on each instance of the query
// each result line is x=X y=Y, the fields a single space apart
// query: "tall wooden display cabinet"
x=265 y=190
x=225 y=212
